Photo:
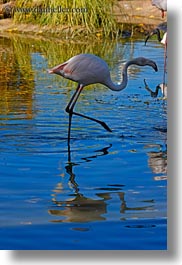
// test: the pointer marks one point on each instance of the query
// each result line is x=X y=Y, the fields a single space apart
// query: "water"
x=109 y=190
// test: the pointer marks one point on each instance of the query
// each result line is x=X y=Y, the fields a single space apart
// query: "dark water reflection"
x=106 y=183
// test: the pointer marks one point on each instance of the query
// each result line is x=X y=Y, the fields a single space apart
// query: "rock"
x=6 y=10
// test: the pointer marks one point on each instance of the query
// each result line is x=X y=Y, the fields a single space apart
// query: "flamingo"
x=86 y=69
x=163 y=40
x=161 y=5
x=160 y=27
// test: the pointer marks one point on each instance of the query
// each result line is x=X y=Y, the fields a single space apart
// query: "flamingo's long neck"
x=123 y=84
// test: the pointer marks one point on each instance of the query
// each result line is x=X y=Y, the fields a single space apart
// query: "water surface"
x=109 y=190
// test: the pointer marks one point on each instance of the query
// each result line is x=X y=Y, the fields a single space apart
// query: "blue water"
x=109 y=191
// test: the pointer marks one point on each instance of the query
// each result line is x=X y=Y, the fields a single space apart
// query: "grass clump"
x=94 y=16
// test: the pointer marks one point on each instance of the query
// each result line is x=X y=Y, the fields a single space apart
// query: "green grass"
x=92 y=15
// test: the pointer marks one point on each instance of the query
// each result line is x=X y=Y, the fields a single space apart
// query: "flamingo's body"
x=164 y=39
x=163 y=88
x=86 y=69
x=161 y=5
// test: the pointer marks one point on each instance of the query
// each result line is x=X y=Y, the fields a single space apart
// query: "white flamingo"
x=86 y=69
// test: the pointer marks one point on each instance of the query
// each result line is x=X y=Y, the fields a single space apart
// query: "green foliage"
x=91 y=15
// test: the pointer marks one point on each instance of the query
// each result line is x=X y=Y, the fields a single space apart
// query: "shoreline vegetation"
x=75 y=19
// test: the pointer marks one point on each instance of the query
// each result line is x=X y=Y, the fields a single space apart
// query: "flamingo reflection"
x=80 y=208
x=161 y=87
x=157 y=161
